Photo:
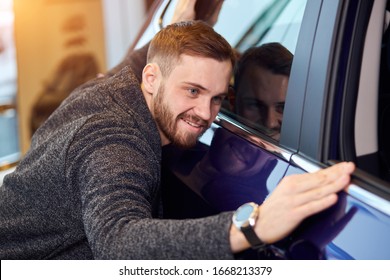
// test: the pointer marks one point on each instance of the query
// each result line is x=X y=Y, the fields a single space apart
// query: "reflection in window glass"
x=265 y=34
x=256 y=22
x=260 y=87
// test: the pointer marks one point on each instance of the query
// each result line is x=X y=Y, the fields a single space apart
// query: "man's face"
x=260 y=98
x=188 y=101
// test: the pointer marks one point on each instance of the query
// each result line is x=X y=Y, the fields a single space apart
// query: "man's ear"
x=150 y=77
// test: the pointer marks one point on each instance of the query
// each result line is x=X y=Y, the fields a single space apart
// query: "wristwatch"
x=245 y=219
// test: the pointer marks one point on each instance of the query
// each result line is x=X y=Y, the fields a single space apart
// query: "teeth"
x=192 y=124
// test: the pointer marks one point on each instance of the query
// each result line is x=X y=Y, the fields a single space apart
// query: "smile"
x=192 y=124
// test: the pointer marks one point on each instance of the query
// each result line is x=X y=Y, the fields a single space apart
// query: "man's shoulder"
x=124 y=77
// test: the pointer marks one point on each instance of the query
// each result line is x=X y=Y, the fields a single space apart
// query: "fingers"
x=214 y=17
x=333 y=172
x=324 y=177
x=300 y=196
x=314 y=192
x=321 y=190
x=315 y=206
x=184 y=11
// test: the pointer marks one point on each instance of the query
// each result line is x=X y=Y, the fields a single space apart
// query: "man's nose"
x=272 y=119
x=203 y=109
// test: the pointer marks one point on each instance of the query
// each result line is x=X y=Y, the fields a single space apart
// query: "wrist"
x=237 y=240
x=244 y=223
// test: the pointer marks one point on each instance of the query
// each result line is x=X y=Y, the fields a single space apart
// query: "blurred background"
x=49 y=47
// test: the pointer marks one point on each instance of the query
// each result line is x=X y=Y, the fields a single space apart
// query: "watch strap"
x=252 y=238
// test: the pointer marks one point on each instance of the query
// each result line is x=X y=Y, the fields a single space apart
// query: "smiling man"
x=186 y=104
x=90 y=185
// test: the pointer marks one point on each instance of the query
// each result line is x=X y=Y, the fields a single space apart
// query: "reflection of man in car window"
x=242 y=180
x=261 y=83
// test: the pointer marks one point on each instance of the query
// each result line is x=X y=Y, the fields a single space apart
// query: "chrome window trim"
x=369 y=198
x=353 y=190
x=304 y=164
x=252 y=136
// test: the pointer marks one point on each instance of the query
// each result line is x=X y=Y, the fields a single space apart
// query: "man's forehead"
x=206 y=73
x=201 y=64
x=187 y=56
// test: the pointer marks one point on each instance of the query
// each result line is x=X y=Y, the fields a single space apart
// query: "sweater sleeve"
x=118 y=175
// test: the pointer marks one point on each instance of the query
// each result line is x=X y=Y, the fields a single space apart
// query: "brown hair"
x=271 y=56
x=194 y=38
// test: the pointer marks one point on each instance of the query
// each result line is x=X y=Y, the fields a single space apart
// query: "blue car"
x=337 y=108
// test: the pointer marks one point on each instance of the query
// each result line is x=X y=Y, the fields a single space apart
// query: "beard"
x=168 y=123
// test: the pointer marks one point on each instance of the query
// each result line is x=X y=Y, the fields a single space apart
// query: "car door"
x=341 y=122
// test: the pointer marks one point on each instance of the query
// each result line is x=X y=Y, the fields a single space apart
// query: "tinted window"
x=260 y=85
x=378 y=106
x=365 y=137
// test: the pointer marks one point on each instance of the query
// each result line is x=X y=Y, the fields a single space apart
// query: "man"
x=261 y=81
x=89 y=186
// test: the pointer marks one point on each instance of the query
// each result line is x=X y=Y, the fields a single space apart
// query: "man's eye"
x=217 y=100
x=280 y=108
x=254 y=105
x=193 y=91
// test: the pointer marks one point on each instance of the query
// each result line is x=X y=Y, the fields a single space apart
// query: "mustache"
x=194 y=119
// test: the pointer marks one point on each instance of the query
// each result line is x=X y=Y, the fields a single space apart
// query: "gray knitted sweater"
x=89 y=186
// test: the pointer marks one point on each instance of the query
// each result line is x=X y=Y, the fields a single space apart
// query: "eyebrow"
x=196 y=85
x=203 y=88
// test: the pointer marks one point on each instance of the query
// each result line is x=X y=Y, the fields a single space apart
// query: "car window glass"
x=380 y=109
x=258 y=100
x=371 y=112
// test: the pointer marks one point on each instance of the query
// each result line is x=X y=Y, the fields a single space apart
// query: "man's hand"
x=300 y=196
x=294 y=199
x=185 y=11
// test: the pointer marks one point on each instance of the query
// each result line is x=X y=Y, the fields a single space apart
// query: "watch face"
x=245 y=215
x=244 y=212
